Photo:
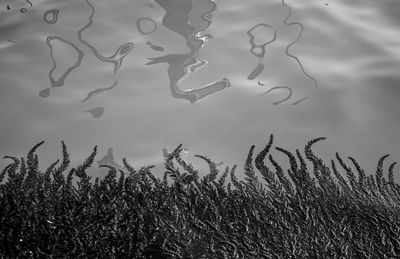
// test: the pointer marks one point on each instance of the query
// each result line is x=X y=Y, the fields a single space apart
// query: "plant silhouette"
x=275 y=211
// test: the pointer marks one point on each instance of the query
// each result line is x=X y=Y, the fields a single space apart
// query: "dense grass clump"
x=133 y=214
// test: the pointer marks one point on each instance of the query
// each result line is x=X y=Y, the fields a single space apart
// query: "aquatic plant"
x=274 y=212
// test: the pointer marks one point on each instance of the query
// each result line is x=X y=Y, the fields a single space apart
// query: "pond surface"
x=134 y=77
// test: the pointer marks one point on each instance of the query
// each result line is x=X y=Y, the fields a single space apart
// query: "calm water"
x=136 y=76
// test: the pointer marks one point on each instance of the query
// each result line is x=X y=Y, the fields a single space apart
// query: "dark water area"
x=134 y=77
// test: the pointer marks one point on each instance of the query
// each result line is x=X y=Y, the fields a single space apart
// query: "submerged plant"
x=276 y=211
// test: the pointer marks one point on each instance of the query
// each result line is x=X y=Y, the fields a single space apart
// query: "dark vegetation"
x=133 y=214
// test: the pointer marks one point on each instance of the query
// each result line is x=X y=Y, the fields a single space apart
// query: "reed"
x=308 y=211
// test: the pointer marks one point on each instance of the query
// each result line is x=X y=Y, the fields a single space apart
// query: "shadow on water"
x=189 y=21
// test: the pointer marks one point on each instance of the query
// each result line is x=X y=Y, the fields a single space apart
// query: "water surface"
x=136 y=76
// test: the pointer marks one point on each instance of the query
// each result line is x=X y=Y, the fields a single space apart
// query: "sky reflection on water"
x=216 y=76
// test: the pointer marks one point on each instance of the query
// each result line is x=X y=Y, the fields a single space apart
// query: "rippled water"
x=136 y=76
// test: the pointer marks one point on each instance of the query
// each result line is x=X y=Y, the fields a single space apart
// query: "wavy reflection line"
x=53 y=13
x=299 y=101
x=189 y=21
x=116 y=58
x=261 y=46
x=139 y=25
x=260 y=67
x=99 y=91
x=297 y=39
x=277 y=88
x=60 y=81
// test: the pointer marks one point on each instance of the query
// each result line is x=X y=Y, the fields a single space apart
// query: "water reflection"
x=300 y=100
x=154 y=47
x=256 y=71
x=99 y=91
x=258 y=50
x=96 y=112
x=294 y=42
x=108 y=160
x=189 y=21
x=280 y=87
x=51 y=16
x=141 y=21
x=60 y=82
x=260 y=47
x=22 y=10
x=116 y=58
x=288 y=88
